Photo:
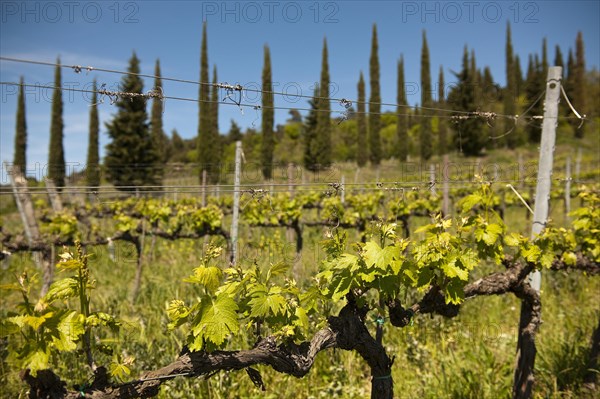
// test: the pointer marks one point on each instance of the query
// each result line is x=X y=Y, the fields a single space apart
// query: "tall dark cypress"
x=401 y=111
x=311 y=161
x=374 y=103
x=559 y=61
x=510 y=91
x=20 y=157
x=425 y=135
x=160 y=140
x=92 y=168
x=544 y=65
x=214 y=119
x=558 y=58
x=519 y=80
x=534 y=87
x=579 y=86
x=56 y=156
x=323 y=139
x=570 y=73
x=204 y=145
x=268 y=139
x=468 y=137
x=442 y=128
x=476 y=79
x=235 y=133
x=362 y=153
x=130 y=157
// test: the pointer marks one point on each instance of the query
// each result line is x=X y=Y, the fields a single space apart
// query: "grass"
x=471 y=356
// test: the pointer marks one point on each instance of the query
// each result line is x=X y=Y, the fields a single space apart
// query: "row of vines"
x=389 y=273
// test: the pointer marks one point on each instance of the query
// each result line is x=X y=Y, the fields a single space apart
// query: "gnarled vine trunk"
x=526 y=348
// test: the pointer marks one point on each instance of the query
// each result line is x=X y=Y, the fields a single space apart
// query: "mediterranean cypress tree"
x=268 y=139
x=534 y=86
x=544 y=65
x=20 y=158
x=323 y=139
x=570 y=74
x=177 y=143
x=401 y=111
x=92 y=169
x=510 y=91
x=519 y=82
x=425 y=136
x=488 y=84
x=362 y=153
x=442 y=129
x=205 y=144
x=56 y=155
x=579 y=87
x=160 y=141
x=559 y=61
x=311 y=160
x=214 y=119
x=374 y=103
x=468 y=137
x=130 y=157
x=558 y=57
x=476 y=80
x=235 y=133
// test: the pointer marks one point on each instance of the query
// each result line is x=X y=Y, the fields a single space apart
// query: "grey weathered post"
x=236 y=202
x=568 y=189
x=204 y=176
x=530 y=307
x=25 y=206
x=445 y=187
x=54 y=196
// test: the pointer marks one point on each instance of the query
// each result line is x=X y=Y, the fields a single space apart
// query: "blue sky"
x=104 y=34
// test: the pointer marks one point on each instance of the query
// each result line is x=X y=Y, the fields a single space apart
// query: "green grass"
x=471 y=356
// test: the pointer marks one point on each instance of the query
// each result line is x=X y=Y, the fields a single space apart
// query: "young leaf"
x=277 y=269
x=264 y=303
x=451 y=269
x=217 y=319
x=378 y=257
x=455 y=292
x=68 y=331
x=178 y=313
x=62 y=289
x=210 y=277
x=470 y=201
x=37 y=360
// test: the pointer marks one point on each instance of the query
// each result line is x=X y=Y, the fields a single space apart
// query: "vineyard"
x=355 y=268
x=366 y=225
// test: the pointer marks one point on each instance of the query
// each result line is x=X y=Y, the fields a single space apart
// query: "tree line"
x=139 y=148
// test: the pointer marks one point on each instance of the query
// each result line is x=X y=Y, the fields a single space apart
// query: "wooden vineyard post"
x=568 y=189
x=204 y=188
x=295 y=230
x=236 y=202
x=521 y=172
x=531 y=307
x=54 y=196
x=23 y=200
x=32 y=232
x=445 y=187
x=578 y=164
x=432 y=179
x=343 y=189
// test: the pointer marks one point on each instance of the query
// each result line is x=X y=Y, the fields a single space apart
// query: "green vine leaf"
x=216 y=319
x=62 y=289
x=208 y=276
x=267 y=302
